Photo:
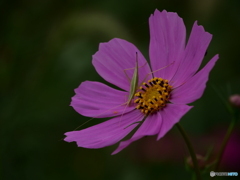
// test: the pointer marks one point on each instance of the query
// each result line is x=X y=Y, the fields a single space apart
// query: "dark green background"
x=45 y=52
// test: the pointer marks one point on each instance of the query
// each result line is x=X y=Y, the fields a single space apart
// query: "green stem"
x=191 y=151
x=224 y=144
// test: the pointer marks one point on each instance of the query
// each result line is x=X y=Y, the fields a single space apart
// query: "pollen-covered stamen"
x=142 y=88
x=154 y=96
x=145 y=84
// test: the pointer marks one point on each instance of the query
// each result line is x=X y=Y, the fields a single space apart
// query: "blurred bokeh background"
x=45 y=52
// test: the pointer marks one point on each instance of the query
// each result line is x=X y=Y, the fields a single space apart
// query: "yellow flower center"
x=154 y=96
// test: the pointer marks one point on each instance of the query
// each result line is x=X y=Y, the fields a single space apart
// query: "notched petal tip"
x=162 y=13
x=201 y=28
x=155 y=12
x=68 y=137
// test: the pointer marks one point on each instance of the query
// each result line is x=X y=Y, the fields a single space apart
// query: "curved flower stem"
x=191 y=151
x=224 y=144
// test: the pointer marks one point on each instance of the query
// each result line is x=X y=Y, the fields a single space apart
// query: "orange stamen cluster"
x=153 y=96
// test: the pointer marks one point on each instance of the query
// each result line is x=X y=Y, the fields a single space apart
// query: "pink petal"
x=193 y=55
x=114 y=57
x=194 y=87
x=106 y=133
x=170 y=116
x=150 y=126
x=167 y=42
x=94 y=99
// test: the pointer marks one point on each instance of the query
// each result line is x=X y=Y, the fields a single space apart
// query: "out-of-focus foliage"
x=45 y=52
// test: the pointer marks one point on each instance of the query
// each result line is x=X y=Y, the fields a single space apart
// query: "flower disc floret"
x=154 y=96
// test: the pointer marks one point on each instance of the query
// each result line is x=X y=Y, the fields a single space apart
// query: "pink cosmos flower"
x=161 y=100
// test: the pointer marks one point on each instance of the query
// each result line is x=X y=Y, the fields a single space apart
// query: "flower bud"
x=200 y=160
x=235 y=100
